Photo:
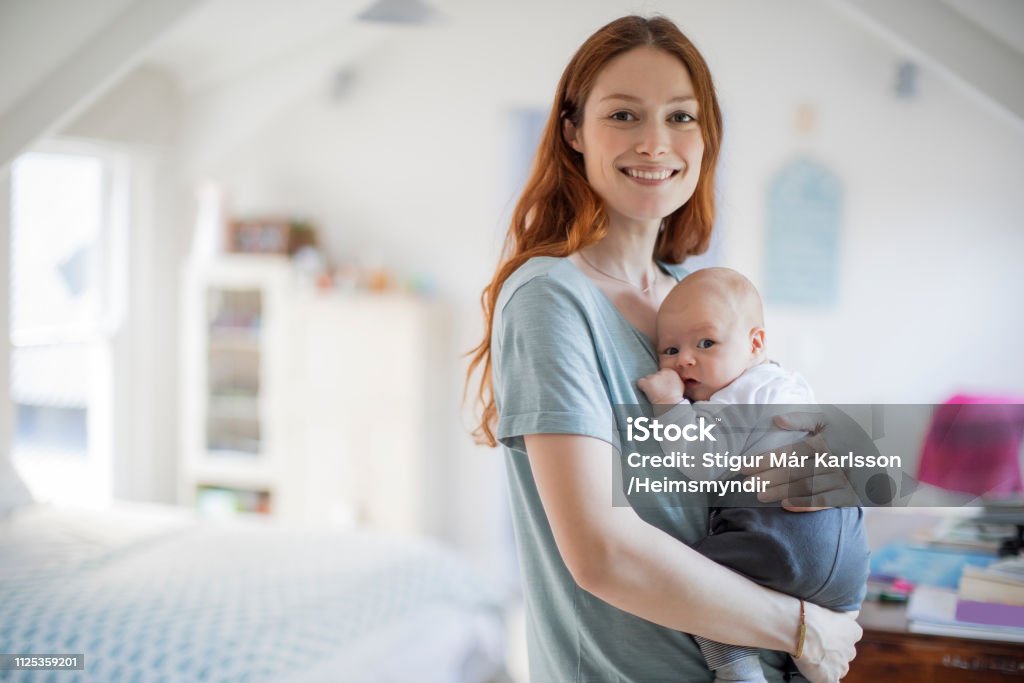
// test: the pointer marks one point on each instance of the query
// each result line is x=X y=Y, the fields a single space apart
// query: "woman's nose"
x=653 y=140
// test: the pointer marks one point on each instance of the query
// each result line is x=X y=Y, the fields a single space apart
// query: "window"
x=65 y=210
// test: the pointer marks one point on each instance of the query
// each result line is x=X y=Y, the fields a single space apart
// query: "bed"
x=151 y=593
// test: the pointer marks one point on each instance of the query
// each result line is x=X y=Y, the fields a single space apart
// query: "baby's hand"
x=664 y=387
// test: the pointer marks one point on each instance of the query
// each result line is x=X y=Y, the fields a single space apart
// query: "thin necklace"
x=643 y=290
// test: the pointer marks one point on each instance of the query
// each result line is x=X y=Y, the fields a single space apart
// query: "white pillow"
x=13 y=492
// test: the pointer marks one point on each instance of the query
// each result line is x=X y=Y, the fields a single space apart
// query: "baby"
x=711 y=343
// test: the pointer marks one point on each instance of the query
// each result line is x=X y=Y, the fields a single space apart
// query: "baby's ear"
x=757 y=341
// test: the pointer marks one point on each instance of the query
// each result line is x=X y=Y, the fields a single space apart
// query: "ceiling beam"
x=939 y=36
x=86 y=73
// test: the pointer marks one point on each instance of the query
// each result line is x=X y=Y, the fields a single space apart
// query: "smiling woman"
x=632 y=137
x=622 y=190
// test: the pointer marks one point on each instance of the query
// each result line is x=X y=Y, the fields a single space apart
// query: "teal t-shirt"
x=563 y=357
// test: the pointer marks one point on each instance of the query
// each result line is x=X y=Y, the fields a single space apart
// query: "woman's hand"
x=828 y=644
x=809 y=488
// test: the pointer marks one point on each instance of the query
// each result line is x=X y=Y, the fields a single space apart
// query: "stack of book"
x=993 y=595
x=988 y=604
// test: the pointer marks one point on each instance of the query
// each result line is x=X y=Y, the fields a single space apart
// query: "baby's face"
x=706 y=343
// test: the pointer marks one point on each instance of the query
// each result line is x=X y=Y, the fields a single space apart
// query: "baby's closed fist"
x=664 y=387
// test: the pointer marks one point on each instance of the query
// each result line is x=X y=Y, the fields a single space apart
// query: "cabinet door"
x=361 y=377
x=234 y=378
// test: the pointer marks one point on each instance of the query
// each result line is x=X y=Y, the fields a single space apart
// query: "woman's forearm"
x=628 y=563
x=648 y=573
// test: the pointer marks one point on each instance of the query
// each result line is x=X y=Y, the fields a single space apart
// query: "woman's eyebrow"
x=633 y=98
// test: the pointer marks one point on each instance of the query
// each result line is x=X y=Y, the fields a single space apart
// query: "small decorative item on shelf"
x=310 y=262
x=302 y=235
x=422 y=284
x=267 y=236
x=270 y=236
x=379 y=279
x=345 y=277
x=208 y=235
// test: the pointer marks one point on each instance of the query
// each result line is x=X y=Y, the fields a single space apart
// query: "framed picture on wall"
x=267 y=236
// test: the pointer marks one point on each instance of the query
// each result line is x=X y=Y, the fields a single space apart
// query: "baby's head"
x=710 y=330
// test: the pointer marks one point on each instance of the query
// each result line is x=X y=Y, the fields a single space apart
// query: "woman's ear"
x=571 y=134
x=757 y=341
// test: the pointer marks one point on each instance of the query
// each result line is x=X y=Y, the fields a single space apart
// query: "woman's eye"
x=705 y=344
x=622 y=116
x=670 y=351
x=682 y=117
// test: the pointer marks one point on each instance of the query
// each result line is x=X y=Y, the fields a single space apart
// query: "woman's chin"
x=657 y=213
x=648 y=211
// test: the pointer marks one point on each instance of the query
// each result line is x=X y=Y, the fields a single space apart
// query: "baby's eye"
x=670 y=351
x=622 y=116
x=705 y=344
x=682 y=117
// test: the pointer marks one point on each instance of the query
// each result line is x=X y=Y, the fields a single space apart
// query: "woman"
x=622 y=188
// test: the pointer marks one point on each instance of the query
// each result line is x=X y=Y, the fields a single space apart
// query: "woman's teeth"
x=650 y=175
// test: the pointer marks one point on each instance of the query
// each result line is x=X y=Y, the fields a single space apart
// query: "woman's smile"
x=649 y=176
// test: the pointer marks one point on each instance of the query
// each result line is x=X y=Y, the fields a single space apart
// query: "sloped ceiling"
x=37 y=35
x=58 y=57
x=1004 y=19
x=976 y=43
x=224 y=39
x=239 y=63
x=980 y=43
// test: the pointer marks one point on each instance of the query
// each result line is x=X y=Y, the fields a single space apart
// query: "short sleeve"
x=547 y=376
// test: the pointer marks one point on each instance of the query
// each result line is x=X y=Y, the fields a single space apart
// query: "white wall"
x=409 y=168
x=932 y=227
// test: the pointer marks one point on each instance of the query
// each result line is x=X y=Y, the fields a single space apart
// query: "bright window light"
x=60 y=367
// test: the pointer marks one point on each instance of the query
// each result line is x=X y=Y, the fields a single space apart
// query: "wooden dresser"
x=888 y=652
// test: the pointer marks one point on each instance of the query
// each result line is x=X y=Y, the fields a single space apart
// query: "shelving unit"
x=290 y=404
x=234 y=326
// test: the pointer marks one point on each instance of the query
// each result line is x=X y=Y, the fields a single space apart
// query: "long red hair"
x=559 y=213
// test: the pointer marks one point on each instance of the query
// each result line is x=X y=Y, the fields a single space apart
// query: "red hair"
x=559 y=213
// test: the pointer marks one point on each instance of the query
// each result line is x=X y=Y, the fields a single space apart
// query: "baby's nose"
x=685 y=359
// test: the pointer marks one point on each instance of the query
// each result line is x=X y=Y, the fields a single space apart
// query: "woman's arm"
x=634 y=566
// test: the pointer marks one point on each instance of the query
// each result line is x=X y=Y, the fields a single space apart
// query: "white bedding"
x=151 y=594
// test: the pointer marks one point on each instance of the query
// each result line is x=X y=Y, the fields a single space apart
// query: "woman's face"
x=640 y=139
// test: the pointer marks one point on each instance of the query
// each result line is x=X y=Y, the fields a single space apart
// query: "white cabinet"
x=305 y=405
